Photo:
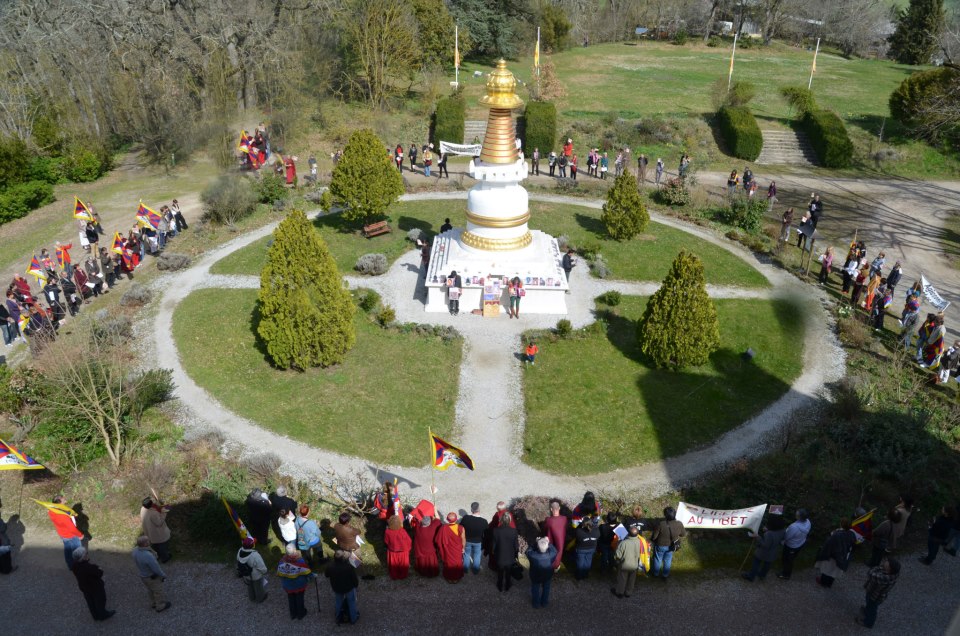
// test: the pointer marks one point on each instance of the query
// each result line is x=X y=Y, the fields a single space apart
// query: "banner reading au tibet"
x=692 y=516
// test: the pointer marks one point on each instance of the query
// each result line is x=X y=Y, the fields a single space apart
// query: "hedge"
x=829 y=138
x=539 y=127
x=17 y=201
x=447 y=123
x=741 y=132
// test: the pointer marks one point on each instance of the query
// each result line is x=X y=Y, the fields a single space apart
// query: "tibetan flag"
x=235 y=518
x=147 y=217
x=863 y=527
x=117 y=246
x=12 y=459
x=36 y=270
x=24 y=321
x=59 y=509
x=536 y=52
x=446 y=455
x=81 y=211
x=244 y=144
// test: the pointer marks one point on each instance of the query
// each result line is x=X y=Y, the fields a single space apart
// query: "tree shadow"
x=258 y=342
x=337 y=223
x=407 y=223
x=591 y=224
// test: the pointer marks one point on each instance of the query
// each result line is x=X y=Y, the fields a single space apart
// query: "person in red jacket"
x=66 y=526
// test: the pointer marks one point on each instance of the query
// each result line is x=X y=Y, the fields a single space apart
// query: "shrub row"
x=741 y=132
x=17 y=201
x=829 y=138
x=539 y=127
x=449 y=121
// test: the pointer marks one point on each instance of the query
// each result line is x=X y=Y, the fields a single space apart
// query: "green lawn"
x=592 y=405
x=377 y=404
x=645 y=258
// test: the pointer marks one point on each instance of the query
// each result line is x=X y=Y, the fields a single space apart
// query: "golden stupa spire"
x=499 y=141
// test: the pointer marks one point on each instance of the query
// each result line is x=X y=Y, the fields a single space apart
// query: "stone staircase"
x=473 y=128
x=786 y=147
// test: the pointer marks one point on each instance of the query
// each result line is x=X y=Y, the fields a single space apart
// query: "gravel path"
x=493 y=433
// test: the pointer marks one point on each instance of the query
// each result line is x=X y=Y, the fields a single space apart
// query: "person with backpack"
x=834 y=557
x=308 y=538
x=666 y=540
x=252 y=570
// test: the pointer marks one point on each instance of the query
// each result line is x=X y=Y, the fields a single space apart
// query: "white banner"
x=458 y=149
x=932 y=295
x=708 y=519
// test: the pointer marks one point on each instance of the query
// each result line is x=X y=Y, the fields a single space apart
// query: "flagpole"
x=538 y=62
x=814 y=67
x=433 y=469
x=733 y=54
x=456 y=54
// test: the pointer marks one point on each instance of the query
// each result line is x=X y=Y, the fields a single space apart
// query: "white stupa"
x=497 y=244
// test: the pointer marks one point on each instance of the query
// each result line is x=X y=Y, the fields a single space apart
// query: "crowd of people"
x=617 y=547
x=426 y=156
x=64 y=285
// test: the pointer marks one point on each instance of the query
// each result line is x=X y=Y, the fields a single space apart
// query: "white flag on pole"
x=932 y=295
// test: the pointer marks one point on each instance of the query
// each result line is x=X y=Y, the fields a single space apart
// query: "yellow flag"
x=456 y=47
x=536 y=51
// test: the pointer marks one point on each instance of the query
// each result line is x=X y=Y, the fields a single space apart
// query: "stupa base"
x=537 y=265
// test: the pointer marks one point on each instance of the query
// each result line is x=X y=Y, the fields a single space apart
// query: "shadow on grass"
x=407 y=223
x=258 y=342
x=337 y=223
x=591 y=224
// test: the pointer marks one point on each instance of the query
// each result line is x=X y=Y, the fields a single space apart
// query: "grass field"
x=375 y=405
x=645 y=258
x=593 y=405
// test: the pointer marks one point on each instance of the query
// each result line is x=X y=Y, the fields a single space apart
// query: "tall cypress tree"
x=918 y=28
x=365 y=180
x=679 y=327
x=306 y=315
x=624 y=214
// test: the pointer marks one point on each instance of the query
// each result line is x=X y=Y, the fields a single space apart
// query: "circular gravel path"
x=490 y=368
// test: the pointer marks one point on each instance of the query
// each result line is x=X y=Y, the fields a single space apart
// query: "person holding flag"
x=64 y=520
x=63 y=257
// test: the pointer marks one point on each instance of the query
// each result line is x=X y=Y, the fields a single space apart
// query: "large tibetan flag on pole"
x=35 y=269
x=81 y=211
x=235 y=518
x=58 y=509
x=12 y=459
x=733 y=54
x=147 y=217
x=446 y=455
x=117 y=246
x=863 y=527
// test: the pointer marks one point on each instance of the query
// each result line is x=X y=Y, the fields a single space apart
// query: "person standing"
x=312 y=165
x=562 y=165
x=346 y=535
x=880 y=580
x=771 y=195
x=181 y=223
x=555 y=529
x=666 y=539
x=474 y=526
x=618 y=164
x=834 y=557
x=642 y=162
x=893 y=278
x=573 y=167
x=535 y=162
x=882 y=540
x=815 y=209
x=344 y=583
x=905 y=506
x=568 y=149
x=541 y=571
x=453 y=292
x=108 y=267
x=6 y=548
x=412 y=153
x=90 y=581
x=658 y=174
x=398 y=157
x=65 y=523
x=398 y=545
x=295 y=575
x=7 y=326
x=605 y=545
x=505 y=548
x=424 y=547
x=747 y=178
x=286 y=522
x=308 y=538
x=552 y=162
x=766 y=552
x=443 y=166
x=280 y=501
x=732 y=182
x=63 y=256
x=604 y=166
x=937 y=533
x=427 y=160
x=451 y=542
x=826 y=262
x=259 y=515
x=153 y=518
x=252 y=570
x=513 y=294
x=587 y=537
x=568 y=262
x=150 y=573
x=786 y=220
x=627 y=558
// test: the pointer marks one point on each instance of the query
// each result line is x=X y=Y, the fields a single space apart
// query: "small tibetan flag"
x=12 y=459
x=81 y=211
x=59 y=509
x=235 y=518
x=117 y=246
x=446 y=455
x=147 y=217
x=36 y=270
x=863 y=527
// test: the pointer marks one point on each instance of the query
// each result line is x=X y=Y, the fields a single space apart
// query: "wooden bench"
x=376 y=229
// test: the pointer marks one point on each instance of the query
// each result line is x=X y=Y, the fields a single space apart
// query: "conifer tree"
x=306 y=315
x=918 y=31
x=624 y=213
x=679 y=327
x=365 y=180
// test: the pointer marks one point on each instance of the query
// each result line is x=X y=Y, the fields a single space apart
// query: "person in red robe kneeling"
x=452 y=542
x=424 y=550
x=398 y=548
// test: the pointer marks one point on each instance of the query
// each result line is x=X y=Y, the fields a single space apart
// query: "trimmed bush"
x=919 y=91
x=673 y=192
x=414 y=235
x=365 y=181
x=172 y=262
x=539 y=128
x=227 y=200
x=829 y=138
x=679 y=327
x=800 y=98
x=744 y=213
x=741 y=132
x=624 y=213
x=386 y=316
x=449 y=120
x=610 y=298
x=564 y=328
x=270 y=188
x=136 y=296
x=17 y=201
x=372 y=264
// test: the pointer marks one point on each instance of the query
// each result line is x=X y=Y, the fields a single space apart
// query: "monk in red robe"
x=452 y=542
x=291 y=169
x=398 y=548
x=424 y=547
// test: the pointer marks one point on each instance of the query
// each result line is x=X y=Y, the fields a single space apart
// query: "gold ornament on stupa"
x=499 y=141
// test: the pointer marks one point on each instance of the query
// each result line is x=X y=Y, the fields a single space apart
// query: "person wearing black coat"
x=938 y=533
x=344 y=583
x=834 y=557
x=259 y=516
x=90 y=582
x=505 y=548
x=280 y=501
x=894 y=276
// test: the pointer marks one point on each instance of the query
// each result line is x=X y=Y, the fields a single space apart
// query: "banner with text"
x=471 y=150
x=692 y=516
